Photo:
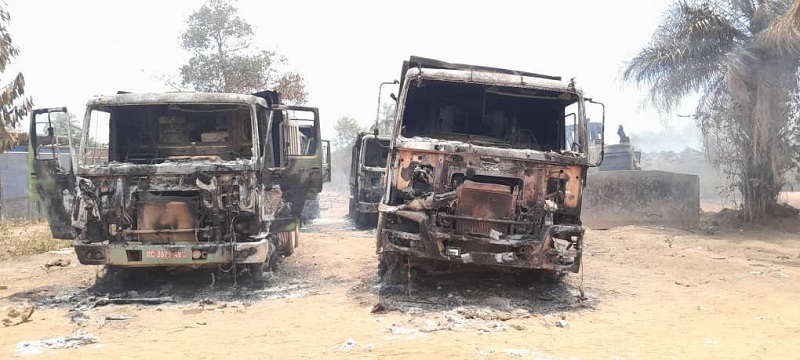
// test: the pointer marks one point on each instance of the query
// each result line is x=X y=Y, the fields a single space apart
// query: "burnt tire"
x=287 y=242
x=365 y=220
x=530 y=277
x=392 y=269
x=554 y=277
x=256 y=272
x=352 y=212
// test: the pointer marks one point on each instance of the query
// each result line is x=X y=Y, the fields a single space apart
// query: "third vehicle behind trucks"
x=368 y=164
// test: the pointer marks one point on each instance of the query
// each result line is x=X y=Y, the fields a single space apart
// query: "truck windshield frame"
x=154 y=133
x=495 y=114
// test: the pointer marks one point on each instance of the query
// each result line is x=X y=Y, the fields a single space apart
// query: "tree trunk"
x=223 y=66
x=763 y=161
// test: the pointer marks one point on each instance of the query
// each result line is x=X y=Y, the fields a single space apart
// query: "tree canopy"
x=347 y=129
x=14 y=106
x=740 y=56
x=224 y=58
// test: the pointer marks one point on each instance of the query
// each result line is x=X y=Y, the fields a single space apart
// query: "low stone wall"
x=630 y=197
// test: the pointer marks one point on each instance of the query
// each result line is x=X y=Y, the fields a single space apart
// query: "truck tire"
x=528 y=277
x=287 y=241
x=365 y=220
x=351 y=210
x=359 y=219
x=391 y=269
x=256 y=271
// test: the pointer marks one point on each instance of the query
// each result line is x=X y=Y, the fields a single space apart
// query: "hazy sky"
x=73 y=50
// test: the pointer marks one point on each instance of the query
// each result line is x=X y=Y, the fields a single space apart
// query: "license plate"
x=166 y=254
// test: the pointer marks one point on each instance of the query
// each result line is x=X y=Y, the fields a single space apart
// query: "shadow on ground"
x=180 y=286
x=480 y=289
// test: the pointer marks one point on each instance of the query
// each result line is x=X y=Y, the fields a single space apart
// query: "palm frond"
x=768 y=12
x=684 y=53
x=782 y=39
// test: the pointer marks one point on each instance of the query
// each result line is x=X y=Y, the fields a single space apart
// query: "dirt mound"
x=785 y=219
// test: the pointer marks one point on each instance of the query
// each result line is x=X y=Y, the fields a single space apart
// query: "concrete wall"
x=618 y=198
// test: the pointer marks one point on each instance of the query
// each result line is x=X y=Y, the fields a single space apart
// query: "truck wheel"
x=391 y=269
x=256 y=272
x=359 y=220
x=351 y=212
x=287 y=241
x=528 y=277
x=554 y=277
x=378 y=230
x=372 y=220
x=366 y=220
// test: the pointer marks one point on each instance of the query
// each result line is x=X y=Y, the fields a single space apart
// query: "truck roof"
x=427 y=63
x=175 y=97
x=489 y=78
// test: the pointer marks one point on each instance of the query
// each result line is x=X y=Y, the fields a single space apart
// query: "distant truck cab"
x=368 y=164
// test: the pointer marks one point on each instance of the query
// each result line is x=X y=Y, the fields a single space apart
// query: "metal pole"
x=380 y=88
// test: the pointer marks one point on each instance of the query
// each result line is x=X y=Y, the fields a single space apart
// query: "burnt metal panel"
x=483 y=201
x=169 y=214
x=418 y=61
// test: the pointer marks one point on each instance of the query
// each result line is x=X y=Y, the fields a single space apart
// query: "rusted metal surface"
x=167 y=219
x=191 y=179
x=484 y=201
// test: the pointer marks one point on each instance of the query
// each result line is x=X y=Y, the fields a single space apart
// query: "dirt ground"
x=648 y=293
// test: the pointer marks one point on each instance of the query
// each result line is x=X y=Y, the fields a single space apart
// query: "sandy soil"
x=649 y=293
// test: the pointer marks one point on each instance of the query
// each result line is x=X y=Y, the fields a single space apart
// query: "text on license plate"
x=166 y=254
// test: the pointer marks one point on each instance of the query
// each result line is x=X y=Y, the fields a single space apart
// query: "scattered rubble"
x=126 y=301
x=114 y=317
x=57 y=263
x=79 y=317
x=25 y=348
x=17 y=314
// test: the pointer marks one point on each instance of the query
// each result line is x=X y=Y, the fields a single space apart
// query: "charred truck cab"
x=367 y=167
x=189 y=179
x=480 y=173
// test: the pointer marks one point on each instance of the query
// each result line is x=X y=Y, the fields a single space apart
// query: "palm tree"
x=11 y=108
x=741 y=57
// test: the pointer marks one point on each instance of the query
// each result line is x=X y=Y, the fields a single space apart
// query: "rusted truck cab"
x=368 y=164
x=189 y=179
x=480 y=172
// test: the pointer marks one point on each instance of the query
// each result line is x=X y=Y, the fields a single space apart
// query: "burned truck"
x=182 y=179
x=367 y=165
x=480 y=173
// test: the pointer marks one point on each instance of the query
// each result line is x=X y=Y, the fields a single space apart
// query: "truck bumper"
x=190 y=254
x=556 y=248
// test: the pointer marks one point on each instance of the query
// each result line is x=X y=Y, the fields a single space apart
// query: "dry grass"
x=19 y=238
